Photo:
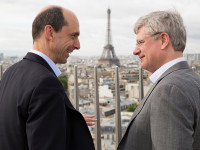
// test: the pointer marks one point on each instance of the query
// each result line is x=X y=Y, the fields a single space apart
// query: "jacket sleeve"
x=46 y=124
x=172 y=119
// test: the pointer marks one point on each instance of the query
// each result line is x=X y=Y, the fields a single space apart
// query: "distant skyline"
x=17 y=16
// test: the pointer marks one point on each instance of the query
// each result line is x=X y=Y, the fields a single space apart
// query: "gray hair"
x=169 y=22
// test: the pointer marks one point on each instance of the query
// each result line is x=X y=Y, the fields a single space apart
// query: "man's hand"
x=89 y=119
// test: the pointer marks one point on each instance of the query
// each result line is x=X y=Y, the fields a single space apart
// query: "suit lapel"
x=38 y=59
x=142 y=103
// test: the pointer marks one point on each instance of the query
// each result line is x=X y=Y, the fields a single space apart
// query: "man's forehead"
x=72 y=29
x=69 y=16
x=142 y=32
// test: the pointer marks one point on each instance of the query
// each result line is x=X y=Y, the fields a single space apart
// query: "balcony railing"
x=118 y=127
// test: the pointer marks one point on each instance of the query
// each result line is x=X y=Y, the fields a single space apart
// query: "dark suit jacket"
x=168 y=117
x=35 y=112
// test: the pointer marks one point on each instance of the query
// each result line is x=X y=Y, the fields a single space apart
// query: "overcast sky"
x=16 y=18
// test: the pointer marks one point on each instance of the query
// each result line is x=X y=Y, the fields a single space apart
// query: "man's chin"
x=143 y=66
x=63 y=61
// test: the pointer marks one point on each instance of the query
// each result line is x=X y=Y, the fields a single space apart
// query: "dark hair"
x=52 y=16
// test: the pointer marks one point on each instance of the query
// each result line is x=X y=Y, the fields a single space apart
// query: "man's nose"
x=136 y=50
x=77 y=44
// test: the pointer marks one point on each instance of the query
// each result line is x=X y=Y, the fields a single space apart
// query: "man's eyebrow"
x=75 y=34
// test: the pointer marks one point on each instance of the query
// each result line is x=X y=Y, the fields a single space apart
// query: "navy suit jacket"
x=35 y=112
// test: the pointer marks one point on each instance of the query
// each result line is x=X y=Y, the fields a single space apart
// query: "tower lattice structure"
x=108 y=57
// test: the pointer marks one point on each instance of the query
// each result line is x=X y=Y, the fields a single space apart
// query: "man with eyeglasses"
x=168 y=117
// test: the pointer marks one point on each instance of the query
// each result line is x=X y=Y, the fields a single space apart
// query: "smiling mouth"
x=69 y=51
x=141 y=57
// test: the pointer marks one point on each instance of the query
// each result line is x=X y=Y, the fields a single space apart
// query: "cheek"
x=68 y=44
x=154 y=58
x=63 y=47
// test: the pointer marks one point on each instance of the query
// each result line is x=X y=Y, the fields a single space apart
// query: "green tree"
x=132 y=108
x=64 y=82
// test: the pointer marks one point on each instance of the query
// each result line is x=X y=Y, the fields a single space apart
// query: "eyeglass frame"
x=140 y=42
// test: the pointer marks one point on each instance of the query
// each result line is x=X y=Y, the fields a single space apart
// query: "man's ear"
x=165 y=40
x=48 y=32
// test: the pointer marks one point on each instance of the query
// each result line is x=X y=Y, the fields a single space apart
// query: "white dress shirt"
x=48 y=60
x=157 y=74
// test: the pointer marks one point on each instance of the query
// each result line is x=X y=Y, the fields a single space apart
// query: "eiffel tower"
x=108 y=57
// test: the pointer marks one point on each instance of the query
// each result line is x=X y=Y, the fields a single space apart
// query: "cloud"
x=17 y=16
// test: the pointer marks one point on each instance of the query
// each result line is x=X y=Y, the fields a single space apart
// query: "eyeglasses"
x=140 y=42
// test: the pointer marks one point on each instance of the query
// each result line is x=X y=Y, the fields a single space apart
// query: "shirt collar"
x=157 y=74
x=48 y=60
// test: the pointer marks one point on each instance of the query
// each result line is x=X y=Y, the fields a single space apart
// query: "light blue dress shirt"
x=48 y=60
